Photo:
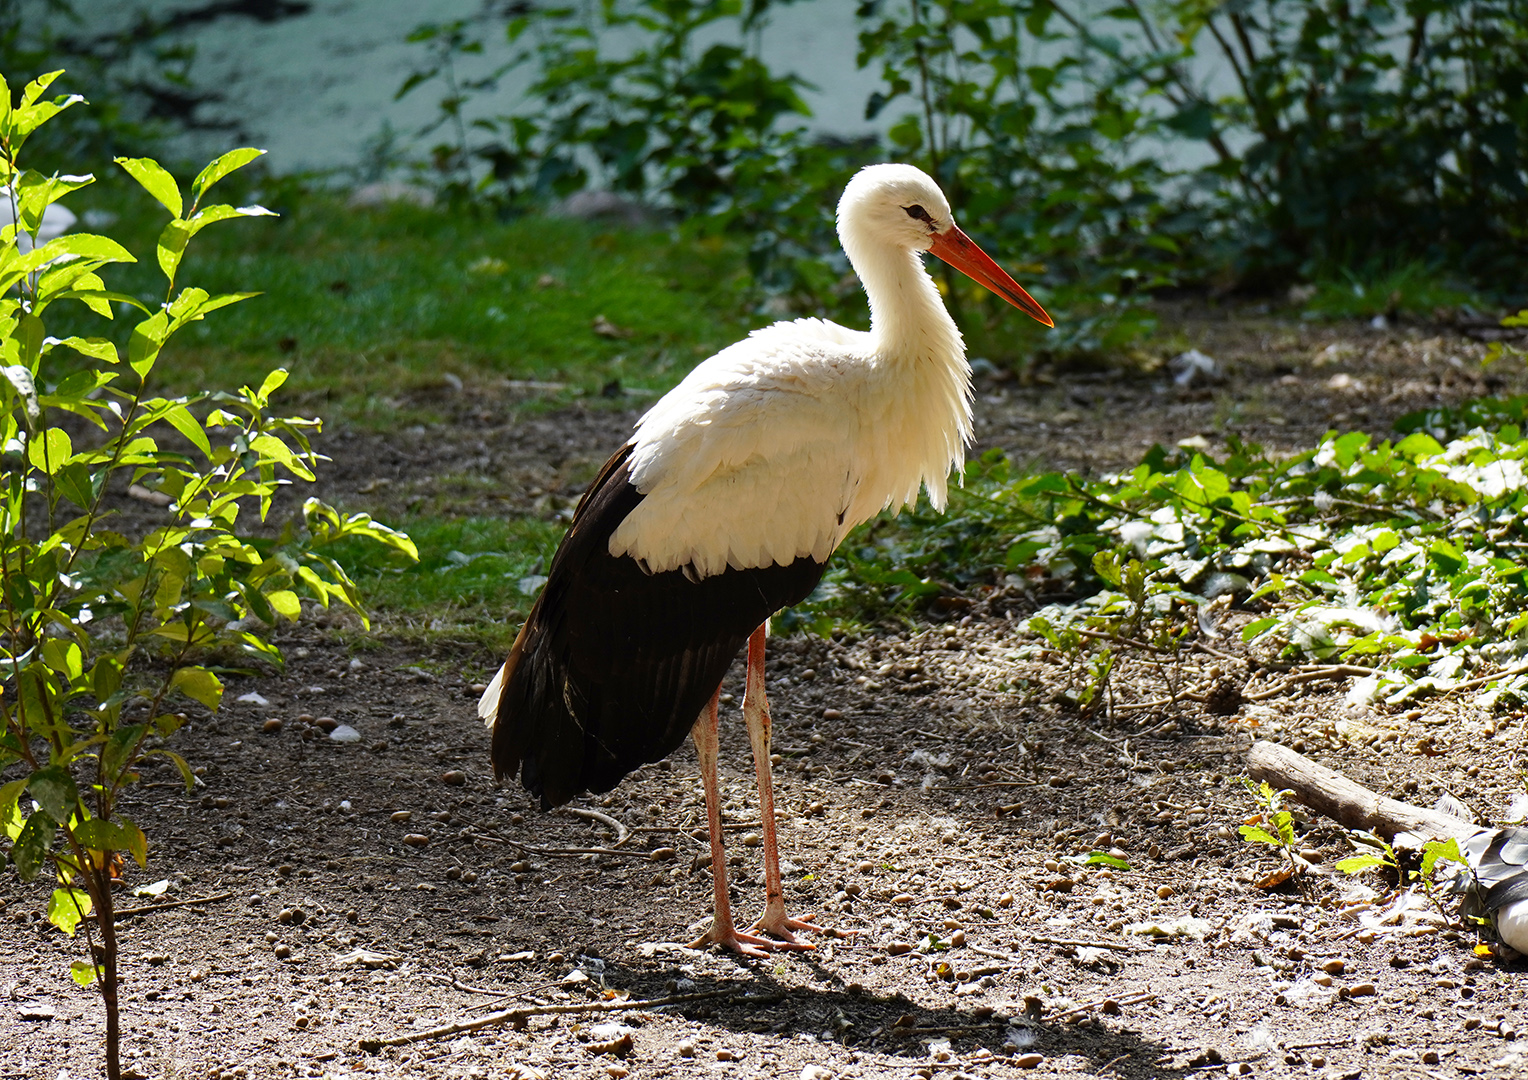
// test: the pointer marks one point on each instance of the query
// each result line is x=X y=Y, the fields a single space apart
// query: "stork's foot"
x=729 y=937
x=778 y=923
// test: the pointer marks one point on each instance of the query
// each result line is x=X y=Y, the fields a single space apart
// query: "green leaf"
x=66 y=907
x=182 y=420
x=32 y=845
x=95 y=348
x=155 y=180
x=83 y=972
x=220 y=167
x=1436 y=851
x=284 y=602
x=199 y=684
x=10 y=807
x=180 y=764
x=51 y=451
x=1258 y=836
x=1355 y=864
x=52 y=788
x=173 y=239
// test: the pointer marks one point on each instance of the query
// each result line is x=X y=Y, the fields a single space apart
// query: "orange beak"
x=961 y=252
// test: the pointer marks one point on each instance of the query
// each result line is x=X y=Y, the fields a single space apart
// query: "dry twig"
x=146 y=908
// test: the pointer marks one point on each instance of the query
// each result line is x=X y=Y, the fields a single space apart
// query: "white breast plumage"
x=776 y=447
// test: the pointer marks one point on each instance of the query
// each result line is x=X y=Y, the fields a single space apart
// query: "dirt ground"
x=929 y=794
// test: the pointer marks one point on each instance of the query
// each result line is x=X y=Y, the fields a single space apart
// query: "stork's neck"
x=908 y=320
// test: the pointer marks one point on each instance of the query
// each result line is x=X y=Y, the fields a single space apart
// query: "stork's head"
x=900 y=206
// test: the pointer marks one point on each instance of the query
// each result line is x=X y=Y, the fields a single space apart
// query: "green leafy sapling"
x=106 y=633
x=1276 y=826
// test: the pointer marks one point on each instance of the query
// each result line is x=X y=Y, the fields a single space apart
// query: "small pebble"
x=725 y=1055
x=454 y=777
x=1029 y=1061
x=1006 y=900
x=662 y=854
x=326 y=723
x=1363 y=989
x=865 y=867
x=1321 y=980
x=1164 y=892
x=1244 y=1068
x=898 y=948
x=415 y=839
x=402 y=816
x=752 y=839
x=902 y=898
x=271 y=726
x=282 y=951
x=832 y=714
x=1429 y=1057
x=478 y=688
x=1334 y=967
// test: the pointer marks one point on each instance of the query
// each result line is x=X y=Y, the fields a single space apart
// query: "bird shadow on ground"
x=852 y=1018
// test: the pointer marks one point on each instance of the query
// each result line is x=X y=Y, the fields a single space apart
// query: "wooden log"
x=1350 y=804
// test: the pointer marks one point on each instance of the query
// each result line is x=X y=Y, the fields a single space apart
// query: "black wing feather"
x=614 y=664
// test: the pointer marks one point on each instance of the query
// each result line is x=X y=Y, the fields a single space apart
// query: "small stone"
x=752 y=839
x=662 y=854
x=401 y=817
x=415 y=839
x=1334 y=967
x=326 y=723
x=725 y=1055
x=685 y=1049
x=1429 y=1057
x=1318 y=1061
x=1164 y=892
x=1006 y=900
x=455 y=777
x=898 y=948
x=520 y=866
x=1363 y=989
x=902 y=898
x=832 y=714
x=271 y=727
x=282 y=950
x=1028 y=1061
x=1322 y=980
x=345 y=733
x=1244 y=1068
x=865 y=867
x=156 y=959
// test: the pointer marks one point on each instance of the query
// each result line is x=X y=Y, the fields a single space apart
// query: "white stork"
x=724 y=507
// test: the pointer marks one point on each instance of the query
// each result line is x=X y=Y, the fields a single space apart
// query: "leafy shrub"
x=1385 y=140
x=107 y=629
x=1402 y=556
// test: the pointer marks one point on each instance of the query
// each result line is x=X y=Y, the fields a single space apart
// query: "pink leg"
x=756 y=717
x=722 y=931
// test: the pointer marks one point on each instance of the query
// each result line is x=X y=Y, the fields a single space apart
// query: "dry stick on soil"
x=562 y=853
x=509 y=1016
x=1078 y=943
x=622 y=833
x=1089 y=1006
x=1332 y=671
x=1351 y=805
x=146 y=908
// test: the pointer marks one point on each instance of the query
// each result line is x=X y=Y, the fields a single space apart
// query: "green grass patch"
x=475 y=579
x=365 y=306
x=1414 y=289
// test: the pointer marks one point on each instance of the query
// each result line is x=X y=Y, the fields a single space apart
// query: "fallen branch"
x=1078 y=943
x=146 y=908
x=1089 y=1006
x=561 y=853
x=1318 y=674
x=1350 y=804
x=510 y=1016
x=1521 y=669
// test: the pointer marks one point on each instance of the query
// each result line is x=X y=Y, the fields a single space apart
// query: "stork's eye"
x=918 y=212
